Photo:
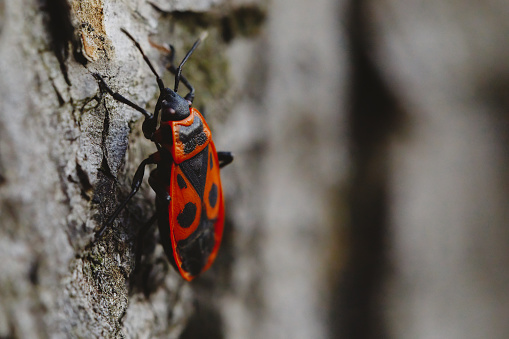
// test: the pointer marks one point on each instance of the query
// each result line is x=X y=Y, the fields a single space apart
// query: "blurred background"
x=369 y=196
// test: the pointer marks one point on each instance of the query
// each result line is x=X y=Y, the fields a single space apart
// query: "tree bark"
x=63 y=165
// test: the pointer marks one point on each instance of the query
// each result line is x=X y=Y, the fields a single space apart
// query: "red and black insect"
x=189 y=197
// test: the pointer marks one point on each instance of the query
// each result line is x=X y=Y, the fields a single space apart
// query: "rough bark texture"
x=64 y=167
x=368 y=197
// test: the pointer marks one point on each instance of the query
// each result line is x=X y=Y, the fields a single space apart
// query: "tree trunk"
x=63 y=164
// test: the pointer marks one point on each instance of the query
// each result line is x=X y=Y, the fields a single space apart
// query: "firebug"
x=187 y=183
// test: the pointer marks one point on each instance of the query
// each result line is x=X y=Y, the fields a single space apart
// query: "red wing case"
x=196 y=208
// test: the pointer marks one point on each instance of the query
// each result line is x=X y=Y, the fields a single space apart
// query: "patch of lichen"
x=209 y=72
x=208 y=68
x=245 y=21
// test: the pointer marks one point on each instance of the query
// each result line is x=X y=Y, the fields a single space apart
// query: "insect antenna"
x=179 y=69
x=158 y=78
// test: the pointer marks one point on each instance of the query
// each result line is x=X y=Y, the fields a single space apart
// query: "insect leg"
x=135 y=186
x=121 y=98
x=159 y=186
x=140 y=240
x=225 y=158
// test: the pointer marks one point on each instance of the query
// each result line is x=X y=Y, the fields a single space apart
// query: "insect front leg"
x=135 y=186
x=150 y=123
x=121 y=98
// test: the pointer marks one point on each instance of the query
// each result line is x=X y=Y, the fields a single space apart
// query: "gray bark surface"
x=64 y=168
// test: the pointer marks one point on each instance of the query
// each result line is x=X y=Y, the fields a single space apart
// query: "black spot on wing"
x=213 y=195
x=187 y=215
x=181 y=182
x=195 y=250
x=211 y=161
